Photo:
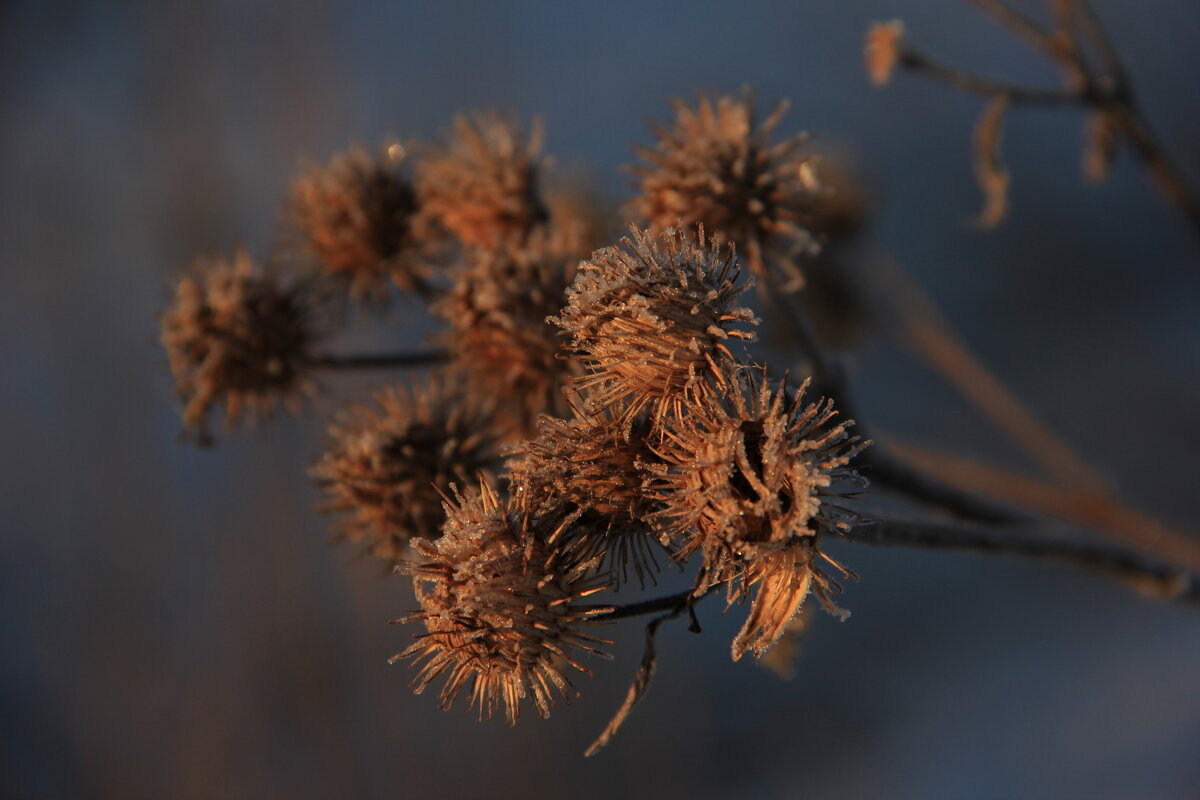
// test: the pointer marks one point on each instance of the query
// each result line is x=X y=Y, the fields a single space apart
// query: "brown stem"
x=884 y=471
x=1086 y=509
x=1110 y=91
x=965 y=81
x=931 y=338
x=676 y=603
x=1164 y=171
x=1156 y=579
x=1018 y=22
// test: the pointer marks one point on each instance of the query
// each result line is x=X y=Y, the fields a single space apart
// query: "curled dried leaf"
x=990 y=171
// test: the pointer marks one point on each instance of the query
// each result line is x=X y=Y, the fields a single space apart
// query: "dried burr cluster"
x=610 y=391
x=594 y=413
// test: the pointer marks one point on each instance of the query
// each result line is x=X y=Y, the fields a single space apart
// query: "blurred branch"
x=378 y=361
x=1086 y=509
x=1108 y=91
x=965 y=81
x=1155 y=579
x=930 y=336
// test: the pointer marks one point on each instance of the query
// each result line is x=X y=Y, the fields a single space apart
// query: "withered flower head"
x=718 y=167
x=882 y=50
x=750 y=486
x=651 y=316
x=589 y=469
x=237 y=335
x=356 y=216
x=499 y=608
x=384 y=463
x=499 y=337
x=483 y=186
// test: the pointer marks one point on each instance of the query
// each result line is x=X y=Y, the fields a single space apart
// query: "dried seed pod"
x=355 y=216
x=237 y=335
x=483 y=186
x=500 y=608
x=650 y=317
x=384 y=462
x=750 y=486
x=716 y=166
x=499 y=337
x=589 y=469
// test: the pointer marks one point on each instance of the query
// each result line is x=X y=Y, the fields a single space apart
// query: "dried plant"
x=635 y=424
x=385 y=462
x=1094 y=78
x=716 y=166
x=483 y=185
x=591 y=468
x=750 y=485
x=500 y=607
x=498 y=335
x=649 y=317
x=238 y=336
x=356 y=218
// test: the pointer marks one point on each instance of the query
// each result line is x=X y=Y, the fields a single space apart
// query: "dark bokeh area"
x=174 y=623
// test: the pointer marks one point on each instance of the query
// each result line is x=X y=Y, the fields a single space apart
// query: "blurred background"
x=174 y=623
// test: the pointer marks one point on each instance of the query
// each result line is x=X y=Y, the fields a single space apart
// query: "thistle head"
x=499 y=337
x=715 y=165
x=750 y=487
x=238 y=336
x=500 y=608
x=652 y=316
x=355 y=217
x=587 y=468
x=385 y=460
x=483 y=185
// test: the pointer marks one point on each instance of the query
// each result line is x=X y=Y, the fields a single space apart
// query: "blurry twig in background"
x=929 y=335
x=1157 y=580
x=1087 y=509
x=1106 y=90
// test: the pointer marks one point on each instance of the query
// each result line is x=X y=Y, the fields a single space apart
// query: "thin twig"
x=378 y=361
x=674 y=605
x=1153 y=154
x=1108 y=92
x=798 y=326
x=1086 y=509
x=1104 y=45
x=1027 y=95
x=932 y=338
x=887 y=472
x=1018 y=22
x=1156 y=579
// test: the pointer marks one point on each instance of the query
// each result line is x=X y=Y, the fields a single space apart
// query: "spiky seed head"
x=482 y=186
x=588 y=468
x=500 y=610
x=237 y=335
x=355 y=216
x=651 y=316
x=385 y=462
x=498 y=334
x=750 y=486
x=716 y=166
